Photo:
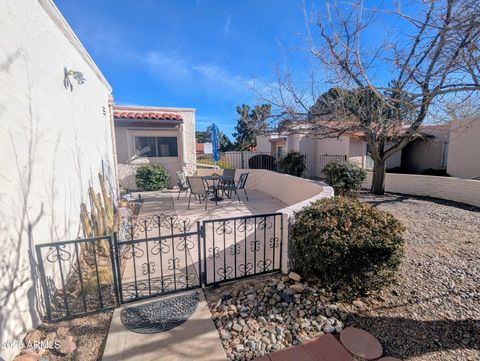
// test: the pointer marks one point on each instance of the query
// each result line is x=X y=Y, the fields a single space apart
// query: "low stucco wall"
x=454 y=189
x=294 y=191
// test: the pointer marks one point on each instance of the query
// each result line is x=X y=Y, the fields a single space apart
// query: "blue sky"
x=185 y=53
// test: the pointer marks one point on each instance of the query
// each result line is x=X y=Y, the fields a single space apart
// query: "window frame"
x=157 y=148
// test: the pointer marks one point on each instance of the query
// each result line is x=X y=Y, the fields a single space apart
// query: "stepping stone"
x=296 y=353
x=389 y=359
x=361 y=343
x=263 y=358
x=326 y=348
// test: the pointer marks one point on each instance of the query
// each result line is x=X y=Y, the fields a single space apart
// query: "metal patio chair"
x=182 y=183
x=225 y=182
x=235 y=187
x=200 y=189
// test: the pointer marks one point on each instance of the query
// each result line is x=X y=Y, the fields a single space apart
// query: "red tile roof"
x=146 y=115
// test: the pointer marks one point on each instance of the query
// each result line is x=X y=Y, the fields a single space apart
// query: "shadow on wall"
x=22 y=214
x=17 y=236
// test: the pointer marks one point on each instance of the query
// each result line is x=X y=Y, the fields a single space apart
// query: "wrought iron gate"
x=157 y=255
x=235 y=248
x=160 y=256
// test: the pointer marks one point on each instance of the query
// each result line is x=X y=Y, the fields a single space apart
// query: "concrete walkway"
x=196 y=339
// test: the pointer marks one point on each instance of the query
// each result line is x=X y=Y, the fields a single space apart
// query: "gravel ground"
x=80 y=339
x=432 y=312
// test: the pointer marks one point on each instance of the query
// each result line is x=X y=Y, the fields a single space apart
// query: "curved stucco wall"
x=294 y=191
x=454 y=189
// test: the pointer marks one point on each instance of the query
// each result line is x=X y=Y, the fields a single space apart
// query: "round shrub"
x=151 y=177
x=293 y=163
x=345 y=177
x=347 y=245
x=262 y=161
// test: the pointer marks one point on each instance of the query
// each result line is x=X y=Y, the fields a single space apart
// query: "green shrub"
x=293 y=163
x=345 y=177
x=151 y=177
x=348 y=245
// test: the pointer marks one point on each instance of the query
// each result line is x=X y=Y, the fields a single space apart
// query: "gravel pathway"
x=432 y=312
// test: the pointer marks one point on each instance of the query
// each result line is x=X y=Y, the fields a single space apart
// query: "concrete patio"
x=197 y=338
x=166 y=202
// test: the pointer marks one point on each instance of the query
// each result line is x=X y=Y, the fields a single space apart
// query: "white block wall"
x=454 y=189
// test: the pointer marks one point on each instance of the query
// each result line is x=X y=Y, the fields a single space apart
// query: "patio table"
x=216 y=185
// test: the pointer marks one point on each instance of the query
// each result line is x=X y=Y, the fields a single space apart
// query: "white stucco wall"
x=263 y=144
x=53 y=142
x=464 y=149
x=296 y=192
x=455 y=189
x=337 y=146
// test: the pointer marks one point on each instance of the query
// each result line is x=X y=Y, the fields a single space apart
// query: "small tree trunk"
x=378 y=180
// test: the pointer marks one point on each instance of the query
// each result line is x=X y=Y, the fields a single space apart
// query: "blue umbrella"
x=215 y=151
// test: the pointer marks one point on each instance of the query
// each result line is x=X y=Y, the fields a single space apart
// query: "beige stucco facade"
x=354 y=149
x=427 y=152
x=53 y=143
x=464 y=149
x=128 y=130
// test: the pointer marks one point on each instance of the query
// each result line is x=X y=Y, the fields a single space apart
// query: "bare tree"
x=385 y=67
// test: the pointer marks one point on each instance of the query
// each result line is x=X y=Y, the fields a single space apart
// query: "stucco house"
x=464 y=149
x=426 y=152
x=352 y=146
x=56 y=135
x=143 y=135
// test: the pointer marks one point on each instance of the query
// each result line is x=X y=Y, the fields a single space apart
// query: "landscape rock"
x=27 y=356
x=294 y=276
x=66 y=347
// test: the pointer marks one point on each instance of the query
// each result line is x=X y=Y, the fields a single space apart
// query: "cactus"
x=87 y=228
x=107 y=201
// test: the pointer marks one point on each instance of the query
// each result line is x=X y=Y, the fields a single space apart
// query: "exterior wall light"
x=78 y=76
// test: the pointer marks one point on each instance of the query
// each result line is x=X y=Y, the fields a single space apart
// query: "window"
x=445 y=154
x=156 y=147
x=280 y=151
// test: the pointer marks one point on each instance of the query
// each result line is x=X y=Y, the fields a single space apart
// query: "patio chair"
x=235 y=187
x=198 y=188
x=224 y=185
x=182 y=183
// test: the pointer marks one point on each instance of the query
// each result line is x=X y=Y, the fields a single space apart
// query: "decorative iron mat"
x=162 y=315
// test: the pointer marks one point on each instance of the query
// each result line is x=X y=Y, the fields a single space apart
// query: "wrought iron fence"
x=158 y=254
x=78 y=277
x=240 y=247
x=316 y=163
x=265 y=160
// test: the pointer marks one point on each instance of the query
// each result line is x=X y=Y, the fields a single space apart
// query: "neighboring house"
x=426 y=152
x=351 y=146
x=54 y=140
x=164 y=136
x=203 y=148
x=464 y=149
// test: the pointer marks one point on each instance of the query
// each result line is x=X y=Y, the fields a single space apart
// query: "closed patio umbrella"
x=215 y=151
